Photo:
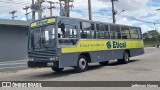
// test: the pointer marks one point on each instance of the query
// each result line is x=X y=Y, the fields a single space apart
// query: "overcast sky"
x=141 y=10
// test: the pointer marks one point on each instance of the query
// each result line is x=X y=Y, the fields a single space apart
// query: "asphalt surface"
x=140 y=68
x=13 y=65
x=22 y=64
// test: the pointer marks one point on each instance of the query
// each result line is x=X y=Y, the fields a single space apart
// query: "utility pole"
x=26 y=8
x=155 y=28
x=65 y=10
x=51 y=7
x=89 y=10
x=157 y=34
x=113 y=11
x=40 y=8
x=33 y=12
x=13 y=14
x=37 y=7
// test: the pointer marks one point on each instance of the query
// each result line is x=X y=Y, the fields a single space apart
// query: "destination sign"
x=43 y=22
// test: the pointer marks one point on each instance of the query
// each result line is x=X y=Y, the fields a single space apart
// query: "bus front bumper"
x=33 y=64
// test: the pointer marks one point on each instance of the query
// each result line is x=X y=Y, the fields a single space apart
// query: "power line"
x=8 y=2
x=138 y=3
x=13 y=1
x=140 y=20
x=3 y=6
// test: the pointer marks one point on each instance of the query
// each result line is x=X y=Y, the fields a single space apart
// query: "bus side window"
x=87 y=30
x=113 y=35
x=139 y=33
x=115 y=32
x=102 y=31
x=134 y=33
x=125 y=33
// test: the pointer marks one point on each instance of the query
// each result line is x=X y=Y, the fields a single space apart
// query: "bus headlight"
x=31 y=59
x=52 y=59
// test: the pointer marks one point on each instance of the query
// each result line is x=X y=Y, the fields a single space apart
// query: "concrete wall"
x=13 y=42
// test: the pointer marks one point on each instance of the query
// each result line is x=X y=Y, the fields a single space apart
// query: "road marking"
x=14 y=61
x=13 y=67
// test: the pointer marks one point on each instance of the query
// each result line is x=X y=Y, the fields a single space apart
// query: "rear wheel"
x=56 y=69
x=104 y=63
x=82 y=64
x=125 y=59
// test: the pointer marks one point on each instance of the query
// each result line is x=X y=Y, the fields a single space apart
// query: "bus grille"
x=41 y=55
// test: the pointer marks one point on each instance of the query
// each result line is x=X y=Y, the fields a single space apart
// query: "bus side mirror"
x=63 y=27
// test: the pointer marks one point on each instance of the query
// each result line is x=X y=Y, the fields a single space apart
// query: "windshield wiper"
x=36 y=44
x=41 y=44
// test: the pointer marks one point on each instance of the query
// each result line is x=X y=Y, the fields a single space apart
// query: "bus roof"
x=83 y=20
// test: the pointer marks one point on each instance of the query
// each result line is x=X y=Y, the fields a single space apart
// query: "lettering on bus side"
x=116 y=44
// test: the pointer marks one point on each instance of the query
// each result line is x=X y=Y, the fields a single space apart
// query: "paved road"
x=22 y=64
x=140 y=68
x=144 y=67
x=13 y=65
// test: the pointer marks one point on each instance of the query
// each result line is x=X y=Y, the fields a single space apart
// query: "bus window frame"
x=134 y=33
x=50 y=24
x=104 y=31
x=88 y=30
x=115 y=26
x=128 y=31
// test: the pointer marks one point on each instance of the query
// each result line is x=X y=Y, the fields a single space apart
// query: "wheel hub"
x=126 y=57
x=82 y=63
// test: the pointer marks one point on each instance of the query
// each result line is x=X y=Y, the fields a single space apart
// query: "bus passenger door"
x=68 y=38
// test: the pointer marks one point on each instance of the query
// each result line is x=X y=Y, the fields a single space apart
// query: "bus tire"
x=125 y=59
x=104 y=63
x=56 y=69
x=82 y=64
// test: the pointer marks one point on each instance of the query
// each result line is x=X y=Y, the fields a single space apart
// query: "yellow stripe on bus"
x=96 y=45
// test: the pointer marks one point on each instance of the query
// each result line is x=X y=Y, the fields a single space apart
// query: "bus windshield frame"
x=42 y=37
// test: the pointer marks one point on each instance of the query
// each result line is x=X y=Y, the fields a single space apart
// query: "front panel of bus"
x=42 y=43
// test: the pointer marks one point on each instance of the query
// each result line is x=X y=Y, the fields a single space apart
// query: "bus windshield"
x=42 y=37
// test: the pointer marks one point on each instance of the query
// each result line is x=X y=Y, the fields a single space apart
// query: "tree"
x=151 y=37
x=145 y=35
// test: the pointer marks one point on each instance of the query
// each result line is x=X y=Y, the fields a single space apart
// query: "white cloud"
x=11 y=5
x=145 y=28
x=135 y=8
x=23 y=19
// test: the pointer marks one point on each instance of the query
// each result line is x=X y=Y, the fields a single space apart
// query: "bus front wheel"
x=125 y=59
x=82 y=64
x=56 y=69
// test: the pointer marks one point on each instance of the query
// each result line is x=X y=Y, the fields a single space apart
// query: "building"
x=13 y=40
